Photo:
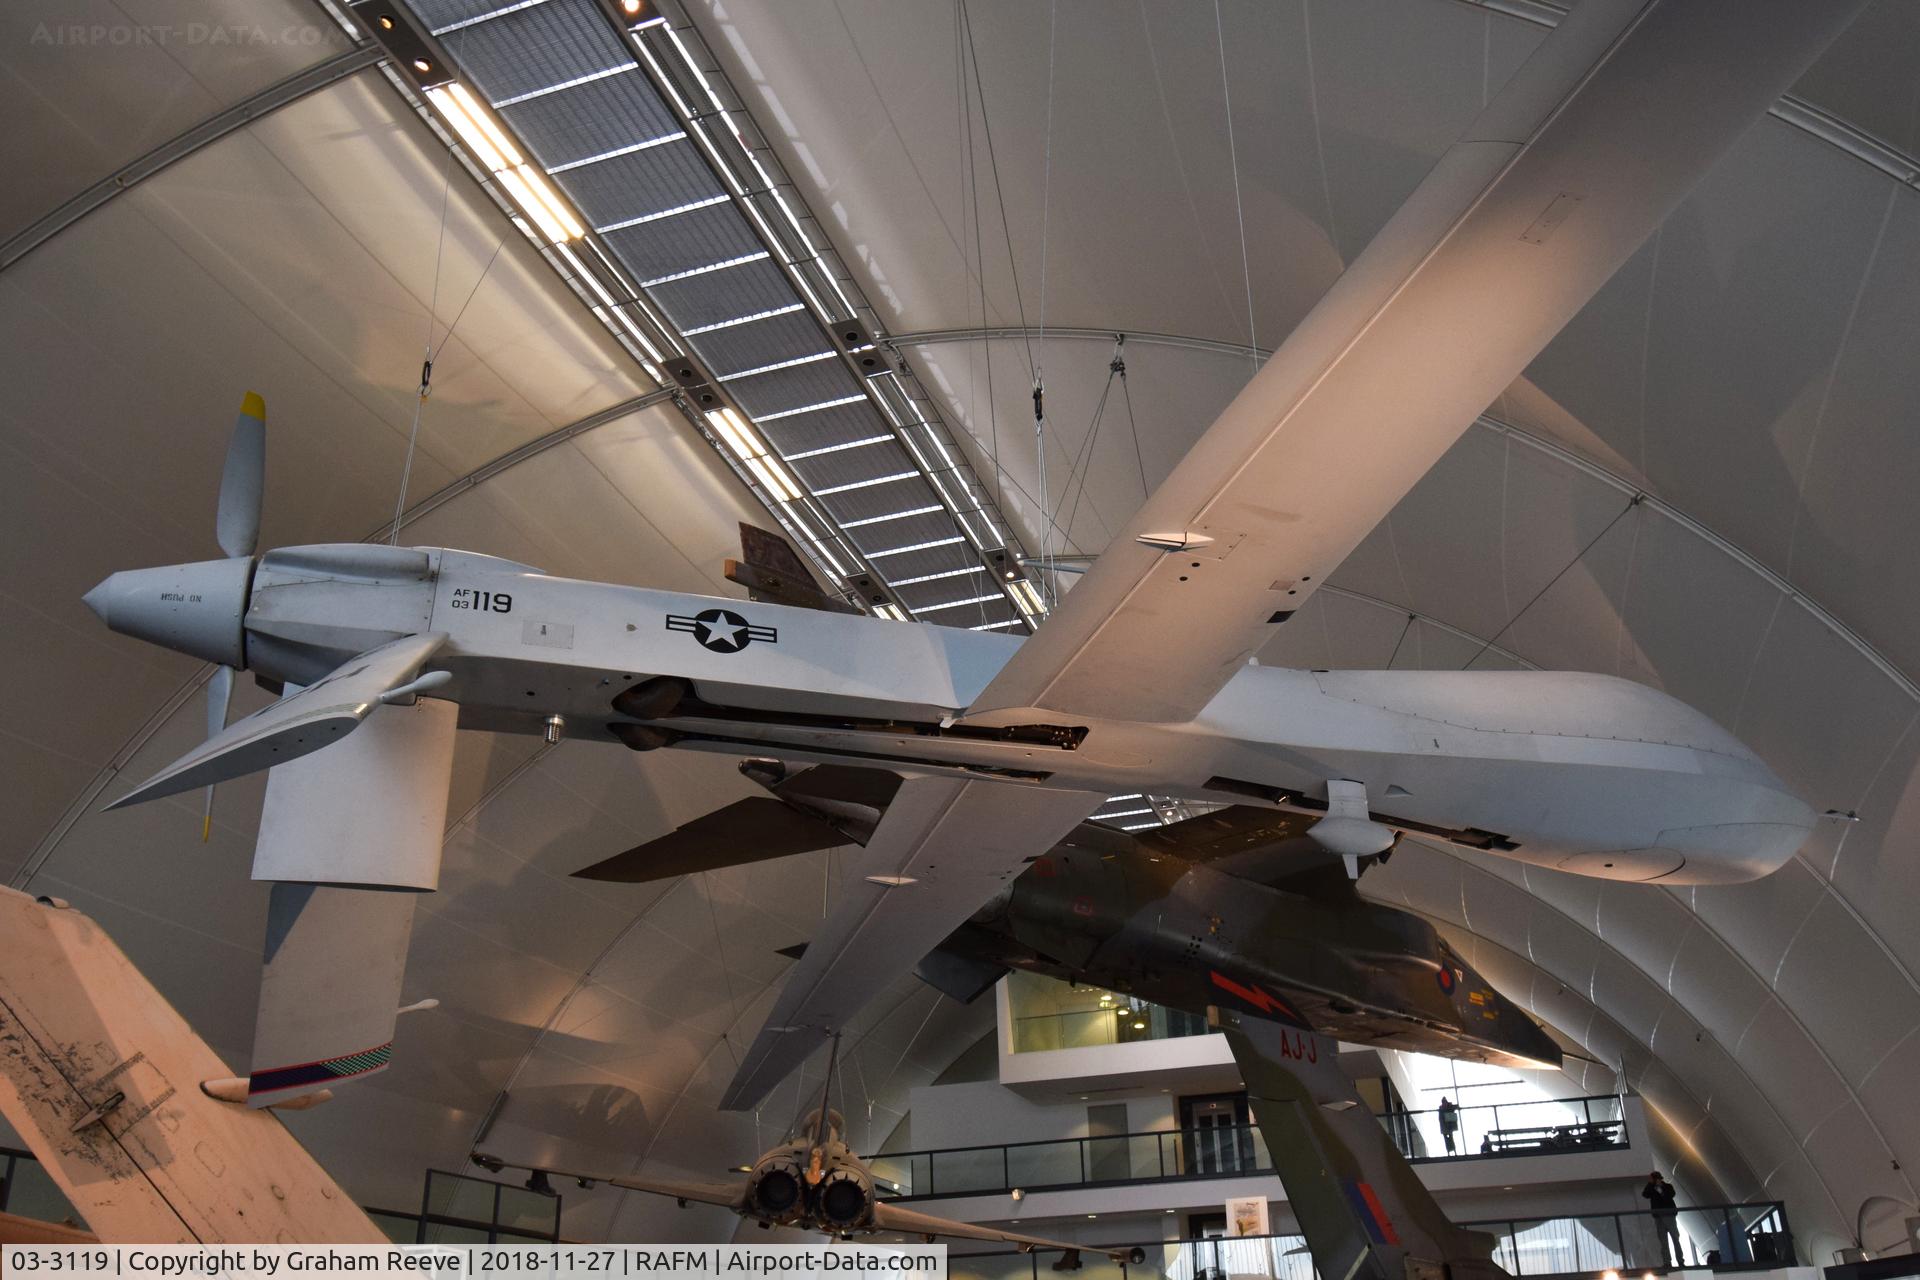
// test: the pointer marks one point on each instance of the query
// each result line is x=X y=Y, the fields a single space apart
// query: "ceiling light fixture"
x=734 y=433
x=554 y=205
x=495 y=152
x=523 y=196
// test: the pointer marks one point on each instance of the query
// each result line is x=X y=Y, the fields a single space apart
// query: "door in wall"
x=1219 y=1138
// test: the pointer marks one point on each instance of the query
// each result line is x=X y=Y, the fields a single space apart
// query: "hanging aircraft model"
x=1139 y=682
x=1239 y=915
x=815 y=1183
x=1241 y=904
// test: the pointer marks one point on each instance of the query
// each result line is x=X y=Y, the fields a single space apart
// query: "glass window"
x=1050 y=1014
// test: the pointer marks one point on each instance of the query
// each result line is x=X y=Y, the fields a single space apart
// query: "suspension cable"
x=1239 y=209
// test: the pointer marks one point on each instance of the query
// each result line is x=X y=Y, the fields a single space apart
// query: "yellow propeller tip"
x=253 y=406
x=206 y=829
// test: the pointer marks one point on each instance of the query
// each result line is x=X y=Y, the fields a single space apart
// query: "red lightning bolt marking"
x=1258 y=997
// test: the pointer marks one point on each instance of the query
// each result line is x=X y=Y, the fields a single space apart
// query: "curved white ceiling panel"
x=92 y=85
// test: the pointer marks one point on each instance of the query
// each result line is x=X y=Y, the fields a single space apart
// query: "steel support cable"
x=1119 y=366
x=1084 y=464
x=971 y=184
x=999 y=193
x=1239 y=210
x=1592 y=542
x=1047 y=581
x=1402 y=640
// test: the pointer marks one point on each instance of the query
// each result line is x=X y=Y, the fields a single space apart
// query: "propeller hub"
x=196 y=609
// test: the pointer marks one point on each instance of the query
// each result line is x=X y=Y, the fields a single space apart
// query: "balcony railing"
x=1231 y=1151
x=1544 y=1127
x=1744 y=1235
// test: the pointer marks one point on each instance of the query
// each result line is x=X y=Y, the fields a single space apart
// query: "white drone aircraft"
x=1139 y=682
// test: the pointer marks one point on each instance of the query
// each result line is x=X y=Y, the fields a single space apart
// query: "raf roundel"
x=721 y=630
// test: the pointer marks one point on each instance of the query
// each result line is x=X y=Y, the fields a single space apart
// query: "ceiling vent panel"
x=713 y=296
x=590 y=119
x=535 y=50
x=756 y=343
x=790 y=388
x=668 y=246
x=640 y=183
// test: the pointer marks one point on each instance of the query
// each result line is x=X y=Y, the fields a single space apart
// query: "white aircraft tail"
x=102 y=1078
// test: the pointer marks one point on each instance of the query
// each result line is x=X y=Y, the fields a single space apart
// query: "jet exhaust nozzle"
x=776 y=1193
x=844 y=1200
x=197 y=609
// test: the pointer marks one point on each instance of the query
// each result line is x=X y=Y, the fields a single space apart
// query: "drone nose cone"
x=196 y=609
x=97 y=598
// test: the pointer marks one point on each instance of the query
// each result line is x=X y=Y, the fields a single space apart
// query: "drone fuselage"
x=1584 y=772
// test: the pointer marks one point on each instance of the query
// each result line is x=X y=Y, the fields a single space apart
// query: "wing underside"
x=1593 y=141
x=726 y=1195
x=942 y=849
x=892 y=1217
x=296 y=725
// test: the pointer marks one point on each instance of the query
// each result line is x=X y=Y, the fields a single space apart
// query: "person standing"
x=1658 y=1193
x=1449 y=1123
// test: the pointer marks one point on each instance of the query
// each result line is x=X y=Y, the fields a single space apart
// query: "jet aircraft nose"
x=196 y=609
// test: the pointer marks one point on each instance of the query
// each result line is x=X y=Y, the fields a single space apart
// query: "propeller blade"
x=219 y=694
x=238 y=523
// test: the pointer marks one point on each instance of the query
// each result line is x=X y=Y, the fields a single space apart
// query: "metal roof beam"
x=215 y=127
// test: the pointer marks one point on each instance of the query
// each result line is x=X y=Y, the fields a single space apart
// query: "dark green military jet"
x=1237 y=907
x=1238 y=915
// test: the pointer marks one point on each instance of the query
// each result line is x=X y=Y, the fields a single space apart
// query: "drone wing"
x=941 y=850
x=1603 y=130
x=1594 y=140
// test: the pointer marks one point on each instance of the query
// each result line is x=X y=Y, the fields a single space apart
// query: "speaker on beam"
x=692 y=377
x=413 y=54
x=873 y=593
x=861 y=348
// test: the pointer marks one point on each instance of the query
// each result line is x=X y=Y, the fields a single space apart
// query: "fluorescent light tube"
x=524 y=197
x=537 y=181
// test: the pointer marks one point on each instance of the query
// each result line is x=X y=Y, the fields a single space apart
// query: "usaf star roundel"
x=721 y=630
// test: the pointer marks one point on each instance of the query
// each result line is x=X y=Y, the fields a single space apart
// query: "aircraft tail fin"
x=345 y=881
x=103 y=1078
x=329 y=989
x=772 y=571
x=1365 y=1213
